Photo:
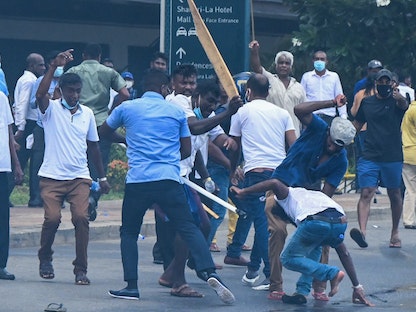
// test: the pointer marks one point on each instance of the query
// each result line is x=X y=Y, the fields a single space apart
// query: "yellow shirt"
x=409 y=135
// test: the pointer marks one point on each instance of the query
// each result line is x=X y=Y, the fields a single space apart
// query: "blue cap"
x=127 y=75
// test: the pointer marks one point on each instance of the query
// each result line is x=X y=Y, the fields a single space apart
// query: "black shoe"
x=222 y=291
x=410 y=227
x=4 y=275
x=10 y=204
x=125 y=293
x=294 y=299
x=157 y=255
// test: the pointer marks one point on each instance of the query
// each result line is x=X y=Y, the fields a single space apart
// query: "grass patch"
x=20 y=195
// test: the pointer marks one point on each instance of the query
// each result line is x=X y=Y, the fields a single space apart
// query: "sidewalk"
x=26 y=223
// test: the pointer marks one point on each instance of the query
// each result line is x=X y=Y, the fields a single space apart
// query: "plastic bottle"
x=95 y=186
x=209 y=185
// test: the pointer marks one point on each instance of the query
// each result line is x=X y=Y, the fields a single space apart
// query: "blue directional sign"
x=229 y=24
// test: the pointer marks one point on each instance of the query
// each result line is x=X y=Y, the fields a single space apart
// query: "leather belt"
x=342 y=219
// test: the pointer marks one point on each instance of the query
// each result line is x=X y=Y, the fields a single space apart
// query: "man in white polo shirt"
x=70 y=130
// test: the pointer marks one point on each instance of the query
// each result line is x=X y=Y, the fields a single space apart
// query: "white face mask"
x=129 y=84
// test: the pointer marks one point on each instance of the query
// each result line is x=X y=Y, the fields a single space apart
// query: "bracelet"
x=359 y=286
x=102 y=179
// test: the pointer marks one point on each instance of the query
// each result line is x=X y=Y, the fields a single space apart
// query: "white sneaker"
x=222 y=291
x=250 y=278
x=265 y=285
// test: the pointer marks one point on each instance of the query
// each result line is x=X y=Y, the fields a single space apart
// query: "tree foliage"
x=353 y=32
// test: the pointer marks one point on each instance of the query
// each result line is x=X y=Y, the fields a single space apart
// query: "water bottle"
x=209 y=185
x=95 y=186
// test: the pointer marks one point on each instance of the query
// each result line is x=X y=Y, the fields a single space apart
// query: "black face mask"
x=384 y=90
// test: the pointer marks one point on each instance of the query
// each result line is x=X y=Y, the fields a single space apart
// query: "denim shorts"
x=370 y=173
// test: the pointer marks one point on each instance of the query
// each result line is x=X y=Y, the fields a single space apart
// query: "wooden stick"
x=253 y=37
x=211 y=212
x=212 y=52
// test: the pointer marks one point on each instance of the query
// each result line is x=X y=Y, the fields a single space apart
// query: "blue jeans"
x=303 y=251
x=253 y=205
x=221 y=177
x=140 y=196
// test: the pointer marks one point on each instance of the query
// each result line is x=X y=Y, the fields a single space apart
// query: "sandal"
x=395 y=243
x=185 y=291
x=82 y=279
x=320 y=296
x=46 y=270
x=276 y=295
x=55 y=307
x=358 y=237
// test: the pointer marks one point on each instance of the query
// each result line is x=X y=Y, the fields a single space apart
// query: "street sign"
x=229 y=24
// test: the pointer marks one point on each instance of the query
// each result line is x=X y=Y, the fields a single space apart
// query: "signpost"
x=228 y=22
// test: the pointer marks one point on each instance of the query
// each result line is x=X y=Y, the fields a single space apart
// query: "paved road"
x=389 y=277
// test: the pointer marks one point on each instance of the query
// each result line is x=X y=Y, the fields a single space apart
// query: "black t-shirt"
x=383 y=141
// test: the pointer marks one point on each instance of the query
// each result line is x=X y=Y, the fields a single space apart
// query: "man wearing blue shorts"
x=382 y=156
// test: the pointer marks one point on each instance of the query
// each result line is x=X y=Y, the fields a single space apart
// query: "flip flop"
x=185 y=291
x=395 y=243
x=55 y=307
x=275 y=295
x=358 y=237
x=320 y=296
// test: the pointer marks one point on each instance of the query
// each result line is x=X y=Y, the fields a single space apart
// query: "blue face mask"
x=58 y=71
x=65 y=103
x=319 y=65
x=197 y=112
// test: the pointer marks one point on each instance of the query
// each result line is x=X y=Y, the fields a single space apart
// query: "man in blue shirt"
x=157 y=138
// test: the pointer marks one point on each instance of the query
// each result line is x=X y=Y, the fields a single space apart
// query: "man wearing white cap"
x=317 y=154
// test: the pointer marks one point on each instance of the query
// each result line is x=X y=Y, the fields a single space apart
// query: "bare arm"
x=290 y=138
x=42 y=96
x=401 y=100
x=94 y=151
x=216 y=155
x=328 y=189
x=254 y=56
x=358 y=295
x=17 y=170
x=123 y=94
x=200 y=126
x=105 y=131
x=279 y=189
x=304 y=110
x=185 y=147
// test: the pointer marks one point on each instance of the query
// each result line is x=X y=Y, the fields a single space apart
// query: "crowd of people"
x=278 y=152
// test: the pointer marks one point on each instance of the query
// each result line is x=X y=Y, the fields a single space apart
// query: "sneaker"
x=250 y=277
x=222 y=291
x=265 y=285
x=125 y=293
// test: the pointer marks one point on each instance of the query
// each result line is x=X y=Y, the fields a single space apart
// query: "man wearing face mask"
x=38 y=148
x=129 y=78
x=321 y=84
x=70 y=130
x=382 y=158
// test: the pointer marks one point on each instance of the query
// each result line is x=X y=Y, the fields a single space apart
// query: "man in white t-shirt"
x=263 y=131
x=70 y=130
x=8 y=157
x=320 y=222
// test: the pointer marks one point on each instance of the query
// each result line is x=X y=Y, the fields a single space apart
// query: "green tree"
x=353 y=32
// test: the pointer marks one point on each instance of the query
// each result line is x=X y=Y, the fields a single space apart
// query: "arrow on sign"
x=181 y=53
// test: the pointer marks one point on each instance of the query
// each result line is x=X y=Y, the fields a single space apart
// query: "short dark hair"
x=185 y=70
x=69 y=79
x=161 y=55
x=259 y=84
x=107 y=60
x=208 y=86
x=92 y=50
x=154 y=79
